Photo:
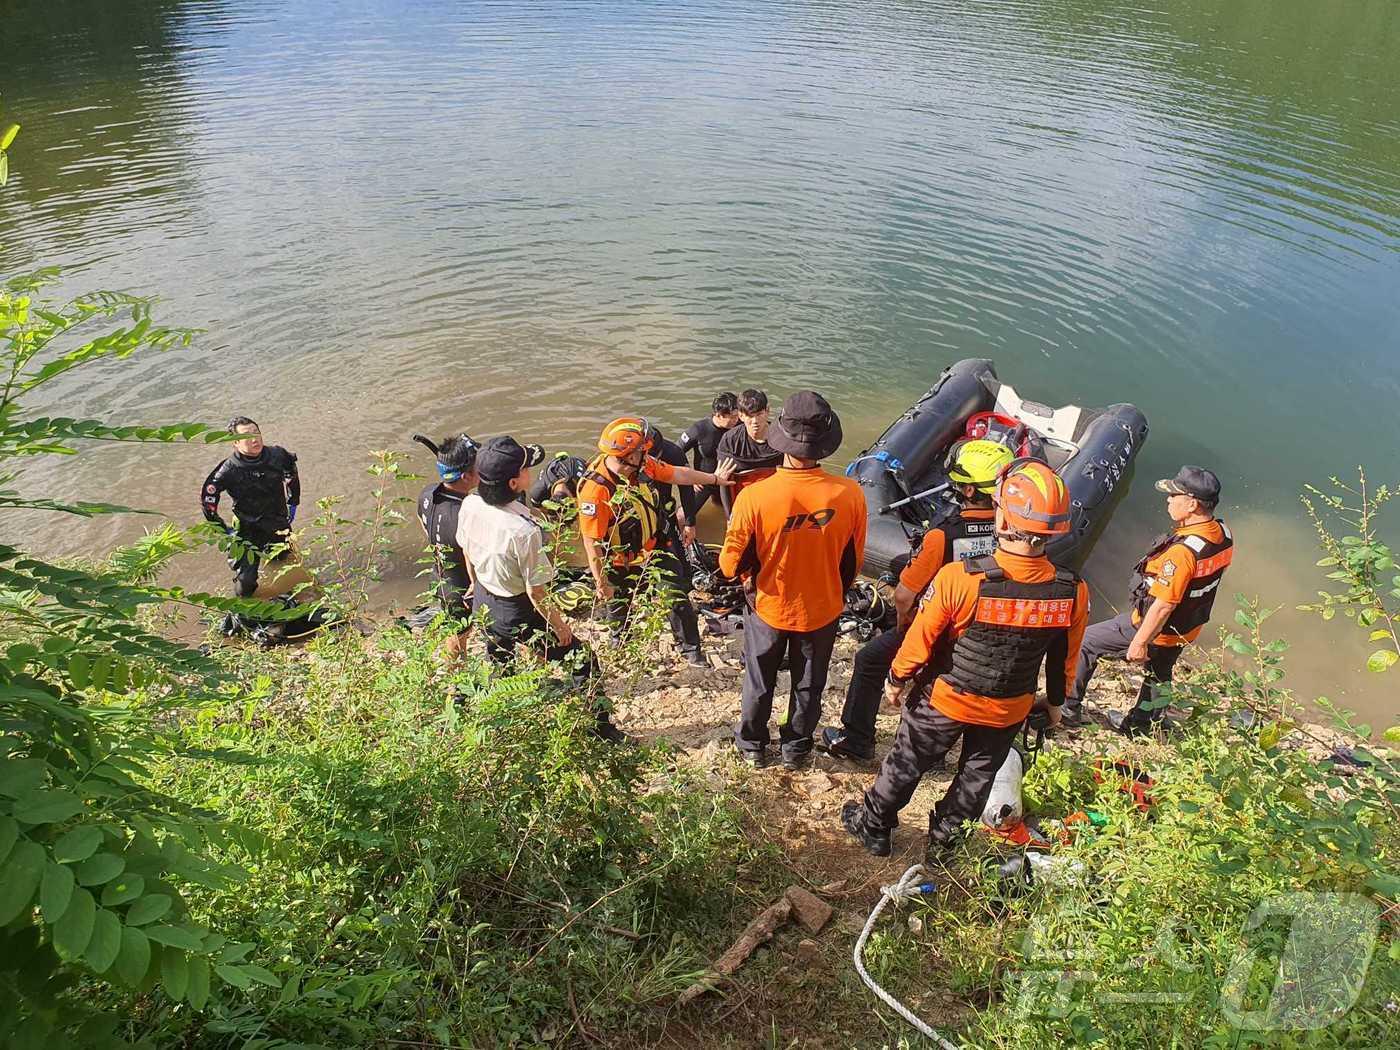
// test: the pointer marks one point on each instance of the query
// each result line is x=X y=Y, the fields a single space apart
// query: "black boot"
x=836 y=743
x=943 y=835
x=1132 y=723
x=874 y=841
x=605 y=729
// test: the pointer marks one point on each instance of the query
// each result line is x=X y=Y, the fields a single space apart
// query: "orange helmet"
x=624 y=436
x=1033 y=498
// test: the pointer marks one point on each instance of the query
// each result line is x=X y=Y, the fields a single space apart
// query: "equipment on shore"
x=905 y=472
x=1005 y=812
x=267 y=634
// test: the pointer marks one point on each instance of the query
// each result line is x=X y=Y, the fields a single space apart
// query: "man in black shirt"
x=438 y=508
x=262 y=482
x=701 y=440
x=748 y=446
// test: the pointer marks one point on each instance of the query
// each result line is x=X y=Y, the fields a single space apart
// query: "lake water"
x=533 y=216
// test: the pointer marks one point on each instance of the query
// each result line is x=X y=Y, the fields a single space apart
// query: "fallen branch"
x=757 y=932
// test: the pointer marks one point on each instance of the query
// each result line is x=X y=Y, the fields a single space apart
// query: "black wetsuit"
x=691 y=501
x=701 y=441
x=265 y=491
x=560 y=468
x=438 y=508
x=748 y=455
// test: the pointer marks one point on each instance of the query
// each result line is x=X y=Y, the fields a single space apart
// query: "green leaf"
x=47 y=806
x=175 y=937
x=174 y=972
x=1386 y=884
x=123 y=890
x=198 y=992
x=1392 y=734
x=106 y=943
x=55 y=892
x=9 y=136
x=80 y=670
x=78 y=844
x=1379 y=661
x=19 y=776
x=1380 y=634
x=19 y=878
x=4 y=168
x=1188 y=807
x=261 y=975
x=1269 y=735
x=9 y=835
x=148 y=909
x=234 y=975
x=134 y=958
x=73 y=932
x=100 y=869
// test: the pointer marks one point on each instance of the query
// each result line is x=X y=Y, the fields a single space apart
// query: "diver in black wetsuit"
x=438 y=508
x=700 y=440
x=690 y=499
x=263 y=484
x=557 y=480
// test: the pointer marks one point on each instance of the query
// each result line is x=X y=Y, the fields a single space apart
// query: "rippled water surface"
x=532 y=216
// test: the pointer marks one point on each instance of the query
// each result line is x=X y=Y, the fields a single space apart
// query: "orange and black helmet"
x=1033 y=498
x=624 y=436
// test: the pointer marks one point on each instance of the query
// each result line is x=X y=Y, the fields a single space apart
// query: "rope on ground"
x=906 y=887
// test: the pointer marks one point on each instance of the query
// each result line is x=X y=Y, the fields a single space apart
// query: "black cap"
x=1193 y=481
x=502 y=458
x=807 y=427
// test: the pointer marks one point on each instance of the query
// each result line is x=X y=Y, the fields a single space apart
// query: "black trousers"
x=866 y=690
x=675 y=583
x=809 y=656
x=258 y=542
x=1112 y=638
x=514 y=620
x=925 y=736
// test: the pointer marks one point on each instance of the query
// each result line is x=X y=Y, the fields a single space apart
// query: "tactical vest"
x=637 y=515
x=963 y=538
x=1000 y=653
x=1212 y=559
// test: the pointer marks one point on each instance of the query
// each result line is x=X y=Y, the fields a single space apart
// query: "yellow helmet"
x=979 y=463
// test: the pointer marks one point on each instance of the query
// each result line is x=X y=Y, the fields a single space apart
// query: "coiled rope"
x=905 y=888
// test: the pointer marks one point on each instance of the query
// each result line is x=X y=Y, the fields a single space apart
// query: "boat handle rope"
x=892 y=463
x=906 y=888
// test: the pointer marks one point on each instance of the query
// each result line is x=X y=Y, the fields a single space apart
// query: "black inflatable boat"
x=906 y=488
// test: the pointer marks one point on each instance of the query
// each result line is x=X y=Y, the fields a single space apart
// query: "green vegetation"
x=1175 y=931
x=324 y=847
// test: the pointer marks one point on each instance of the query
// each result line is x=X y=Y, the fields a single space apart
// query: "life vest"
x=637 y=512
x=1212 y=559
x=1000 y=652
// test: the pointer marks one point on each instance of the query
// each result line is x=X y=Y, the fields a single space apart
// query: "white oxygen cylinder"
x=1004 y=806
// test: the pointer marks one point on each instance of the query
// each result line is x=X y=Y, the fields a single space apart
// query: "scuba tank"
x=1004 y=815
x=1004 y=806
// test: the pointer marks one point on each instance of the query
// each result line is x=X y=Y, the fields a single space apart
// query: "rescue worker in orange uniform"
x=998 y=617
x=798 y=539
x=1174 y=588
x=624 y=524
x=967 y=533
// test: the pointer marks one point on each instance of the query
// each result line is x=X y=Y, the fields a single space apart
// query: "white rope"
x=901 y=890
